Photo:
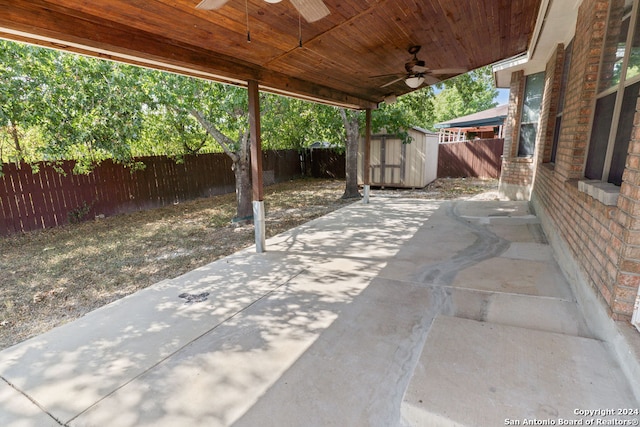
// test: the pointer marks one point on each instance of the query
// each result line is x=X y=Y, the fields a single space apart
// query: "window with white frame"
x=618 y=88
x=530 y=114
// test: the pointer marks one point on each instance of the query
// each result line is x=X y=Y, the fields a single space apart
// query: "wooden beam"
x=256 y=141
x=46 y=24
x=256 y=165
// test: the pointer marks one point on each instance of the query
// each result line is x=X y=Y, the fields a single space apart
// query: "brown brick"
x=627 y=294
x=622 y=308
x=630 y=266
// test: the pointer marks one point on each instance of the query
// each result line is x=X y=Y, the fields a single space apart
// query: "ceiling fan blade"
x=448 y=71
x=387 y=75
x=393 y=81
x=311 y=10
x=431 y=80
x=211 y=4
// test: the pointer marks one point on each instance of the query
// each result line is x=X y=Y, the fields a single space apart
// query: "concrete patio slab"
x=492 y=209
x=499 y=373
x=98 y=353
x=325 y=328
x=271 y=364
x=18 y=411
x=517 y=276
x=529 y=251
x=530 y=232
x=525 y=311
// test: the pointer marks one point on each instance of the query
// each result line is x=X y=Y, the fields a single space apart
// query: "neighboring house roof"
x=414 y=128
x=321 y=144
x=423 y=130
x=491 y=117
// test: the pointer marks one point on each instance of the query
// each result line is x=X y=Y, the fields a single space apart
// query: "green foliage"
x=172 y=100
x=20 y=101
x=78 y=214
x=166 y=133
x=289 y=123
x=70 y=106
x=413 y=109
x=56 y=106
x=465 y=94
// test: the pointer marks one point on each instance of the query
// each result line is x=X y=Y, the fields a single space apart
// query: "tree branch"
x=222 y=140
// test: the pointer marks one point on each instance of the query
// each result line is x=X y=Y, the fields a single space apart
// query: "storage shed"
x=394 y=164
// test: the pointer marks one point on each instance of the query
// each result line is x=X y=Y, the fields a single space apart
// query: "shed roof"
x=491 y=117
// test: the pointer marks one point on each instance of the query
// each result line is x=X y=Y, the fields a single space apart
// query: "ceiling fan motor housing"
x=415 y=66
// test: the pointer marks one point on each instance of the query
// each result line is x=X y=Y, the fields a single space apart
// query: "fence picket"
x=31 y=201
x=479 y=158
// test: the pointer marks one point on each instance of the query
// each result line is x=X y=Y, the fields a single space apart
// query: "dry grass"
x=56 y=275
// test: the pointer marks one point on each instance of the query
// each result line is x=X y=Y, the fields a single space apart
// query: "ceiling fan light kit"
x=416 y=72
x=414 y=82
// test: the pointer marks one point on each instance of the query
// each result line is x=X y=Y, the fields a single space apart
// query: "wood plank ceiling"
x=339 y=55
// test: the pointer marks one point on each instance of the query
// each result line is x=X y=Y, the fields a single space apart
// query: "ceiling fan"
x=416 y=73
x=311 y=10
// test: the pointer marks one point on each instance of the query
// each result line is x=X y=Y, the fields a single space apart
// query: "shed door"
x=387 y=160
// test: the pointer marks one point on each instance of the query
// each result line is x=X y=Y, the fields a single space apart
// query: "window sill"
x=518 y=159
x=602 y=191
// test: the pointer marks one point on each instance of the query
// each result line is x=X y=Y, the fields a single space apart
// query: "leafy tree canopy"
x=465 y=94
x=56 y=106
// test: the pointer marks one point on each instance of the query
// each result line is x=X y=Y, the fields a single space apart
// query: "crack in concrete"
x=487 y=245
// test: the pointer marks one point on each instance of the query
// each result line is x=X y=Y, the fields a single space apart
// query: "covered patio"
x=399 y=312
x=350 y=54
x=396 y=312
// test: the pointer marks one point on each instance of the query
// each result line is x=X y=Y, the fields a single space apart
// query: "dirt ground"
x=53 y=276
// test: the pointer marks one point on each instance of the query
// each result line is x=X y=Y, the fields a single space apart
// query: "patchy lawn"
x=54 y=276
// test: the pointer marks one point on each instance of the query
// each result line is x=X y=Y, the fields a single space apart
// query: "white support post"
x=366 y=163
x=259 y=225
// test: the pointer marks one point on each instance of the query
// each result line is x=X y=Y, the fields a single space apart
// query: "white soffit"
x=556 y=24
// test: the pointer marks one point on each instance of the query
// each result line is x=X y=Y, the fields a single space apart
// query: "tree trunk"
x=16 y=140
x=351 y=167
x=241 y=166
x=242 y=171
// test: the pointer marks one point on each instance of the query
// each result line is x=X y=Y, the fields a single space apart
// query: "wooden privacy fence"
x=326 y=163
x=31 y=201
x=479 y=158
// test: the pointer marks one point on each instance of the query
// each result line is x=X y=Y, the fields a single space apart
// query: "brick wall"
x=591 y=231
x=514 y=113
x=517 y=172
x=581 y=88
x=628 y=217
x=604 y=240
x=549 y=107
